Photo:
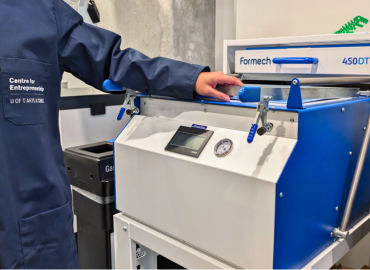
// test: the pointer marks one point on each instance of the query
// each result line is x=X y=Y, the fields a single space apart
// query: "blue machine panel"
x=317 y=178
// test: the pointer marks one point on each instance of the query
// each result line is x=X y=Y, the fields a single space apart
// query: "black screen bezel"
x=188 y=151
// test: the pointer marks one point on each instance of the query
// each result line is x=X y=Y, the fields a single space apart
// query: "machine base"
x=130 y=233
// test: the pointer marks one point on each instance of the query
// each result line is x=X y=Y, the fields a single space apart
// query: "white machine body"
x=196 y=200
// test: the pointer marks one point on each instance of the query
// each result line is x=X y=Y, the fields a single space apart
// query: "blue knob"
x=250 y=94
x=120 y=114
x=111 y=86
x=252 y=132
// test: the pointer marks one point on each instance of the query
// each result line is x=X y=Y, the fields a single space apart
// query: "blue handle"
x=111 y=86
x=252 y=132
x=250 y=94
x=295 y=60
x=120 y=114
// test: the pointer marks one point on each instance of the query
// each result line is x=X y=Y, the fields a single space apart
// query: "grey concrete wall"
x=178 y=29
x=194 y=30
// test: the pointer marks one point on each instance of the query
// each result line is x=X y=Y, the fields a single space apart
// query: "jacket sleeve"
x=93 y=54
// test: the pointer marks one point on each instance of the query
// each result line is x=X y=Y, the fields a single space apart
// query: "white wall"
x=271 y=18
x=225 y=27
x=249 y=19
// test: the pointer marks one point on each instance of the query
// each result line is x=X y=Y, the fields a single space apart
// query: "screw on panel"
x=205 y=110
x=364 y=128
x=281 y=194
x=295 y=82
x=331 y=234
x=291 y=120
x=125 y=228
x=336 y=208
x=350 y=153
x=343 y=109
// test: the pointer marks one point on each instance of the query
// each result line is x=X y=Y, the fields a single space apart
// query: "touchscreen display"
x=188 y=140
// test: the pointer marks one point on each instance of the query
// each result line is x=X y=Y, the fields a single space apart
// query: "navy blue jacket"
x=39 y=40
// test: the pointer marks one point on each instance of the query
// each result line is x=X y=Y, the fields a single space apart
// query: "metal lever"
x=128 y=105
x=253 y=94
x=262 y=110
x=342 y=232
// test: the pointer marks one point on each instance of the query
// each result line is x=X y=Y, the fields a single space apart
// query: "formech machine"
x=267 y=180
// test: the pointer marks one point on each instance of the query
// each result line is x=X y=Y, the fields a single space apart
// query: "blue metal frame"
x=250 y=95
x=295 y=95
x=214 y=101
x=316 y=179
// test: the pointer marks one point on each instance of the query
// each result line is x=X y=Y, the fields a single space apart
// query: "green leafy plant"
x=349 y=27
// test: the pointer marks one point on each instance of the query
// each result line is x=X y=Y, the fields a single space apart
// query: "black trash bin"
x=90 y=170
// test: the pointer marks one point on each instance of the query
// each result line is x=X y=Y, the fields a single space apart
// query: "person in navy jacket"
x=41 y=39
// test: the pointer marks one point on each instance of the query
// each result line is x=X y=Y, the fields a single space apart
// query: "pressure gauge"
x=223 y=147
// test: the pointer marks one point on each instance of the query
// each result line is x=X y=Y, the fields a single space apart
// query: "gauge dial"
x=223 y=147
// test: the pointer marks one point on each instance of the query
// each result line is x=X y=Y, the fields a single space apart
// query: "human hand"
x=207 y=81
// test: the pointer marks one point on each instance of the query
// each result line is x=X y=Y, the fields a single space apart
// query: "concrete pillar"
x=178 y=29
